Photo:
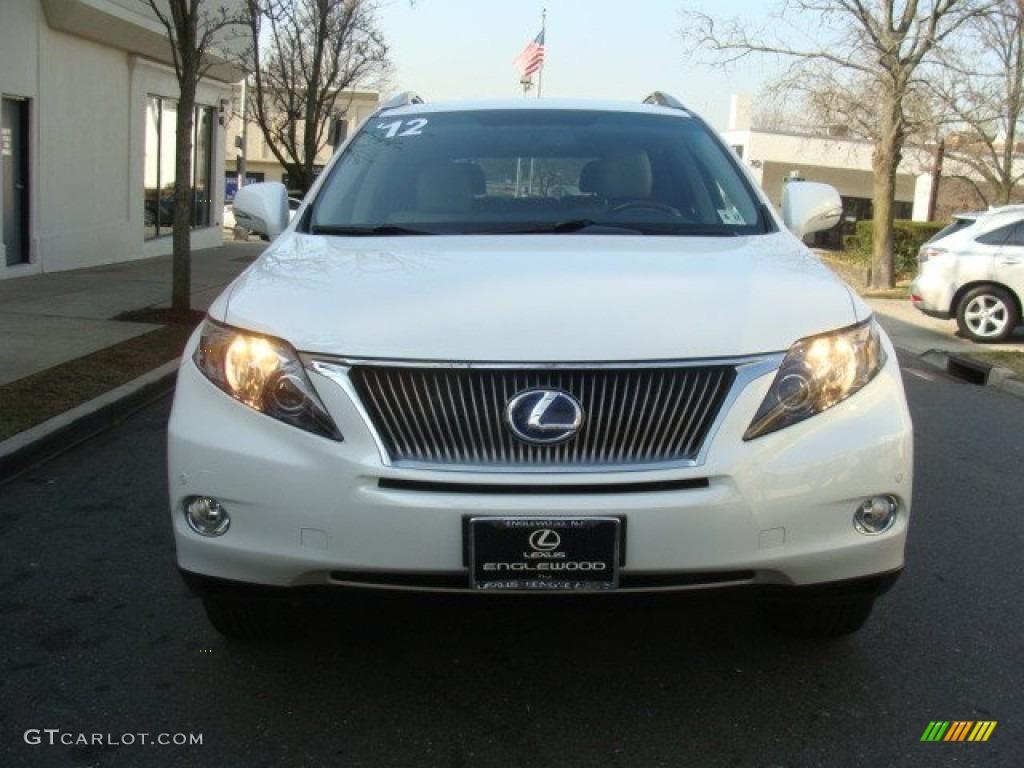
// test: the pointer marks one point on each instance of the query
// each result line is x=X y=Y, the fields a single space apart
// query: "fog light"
x=206 y=516
x=876 y=515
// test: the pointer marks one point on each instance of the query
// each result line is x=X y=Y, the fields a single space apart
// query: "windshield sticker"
x=403 y=127
x=731 y=216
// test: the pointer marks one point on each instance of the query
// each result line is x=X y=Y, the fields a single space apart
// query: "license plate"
x=544 y=553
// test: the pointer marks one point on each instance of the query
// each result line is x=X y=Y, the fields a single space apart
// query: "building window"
x=158 y=193
x=202 y=167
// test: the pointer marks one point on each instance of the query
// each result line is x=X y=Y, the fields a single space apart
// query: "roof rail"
x=403 y=99
x=665 y=100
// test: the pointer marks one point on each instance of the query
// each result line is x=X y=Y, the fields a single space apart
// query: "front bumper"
x=308 y=511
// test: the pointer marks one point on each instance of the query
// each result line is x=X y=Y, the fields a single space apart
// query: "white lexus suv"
x=973 y=270
x=539 y=346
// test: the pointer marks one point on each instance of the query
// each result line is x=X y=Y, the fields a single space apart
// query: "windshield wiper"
x=382 y=230
x=594 y=227
x=591 y=226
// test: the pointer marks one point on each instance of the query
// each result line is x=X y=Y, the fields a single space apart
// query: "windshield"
x=536 y=170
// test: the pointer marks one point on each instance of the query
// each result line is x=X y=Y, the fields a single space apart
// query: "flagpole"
x=540 y=72
x=540 y=79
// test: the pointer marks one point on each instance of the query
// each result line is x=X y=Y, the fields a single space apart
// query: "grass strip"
x=41 y=396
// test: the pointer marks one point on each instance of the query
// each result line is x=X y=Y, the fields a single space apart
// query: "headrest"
x=625 y=174
x=590 y=177
x=475 y=174
x=444 y=188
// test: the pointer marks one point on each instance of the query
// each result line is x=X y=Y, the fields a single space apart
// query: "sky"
x=456 y=49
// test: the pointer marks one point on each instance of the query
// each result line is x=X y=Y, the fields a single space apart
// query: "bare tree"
x=303 y=56
x=979 y=94
x=193 y=26
x=774 y=110
x=875 y=45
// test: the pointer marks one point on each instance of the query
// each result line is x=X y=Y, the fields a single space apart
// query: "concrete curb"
x=975 y=372
x=44 y=441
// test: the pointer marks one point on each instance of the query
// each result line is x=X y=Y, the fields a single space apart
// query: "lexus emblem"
x=545 y=540
x=543 y=416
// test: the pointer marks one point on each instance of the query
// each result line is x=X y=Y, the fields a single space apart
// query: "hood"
x=538 y=298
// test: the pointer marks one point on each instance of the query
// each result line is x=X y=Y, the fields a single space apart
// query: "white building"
x=772 y=157
x=89 y=98
x=354 y=105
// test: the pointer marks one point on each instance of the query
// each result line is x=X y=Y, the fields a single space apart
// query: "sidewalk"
x=52 y=318
x=49 y=319
x=914 y=332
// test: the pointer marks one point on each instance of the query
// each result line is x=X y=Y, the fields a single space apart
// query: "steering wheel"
x=652 y=204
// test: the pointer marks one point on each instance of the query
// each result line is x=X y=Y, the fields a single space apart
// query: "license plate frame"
x=578 y=554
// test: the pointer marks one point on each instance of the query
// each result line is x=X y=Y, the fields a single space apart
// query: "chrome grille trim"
x=410 y=408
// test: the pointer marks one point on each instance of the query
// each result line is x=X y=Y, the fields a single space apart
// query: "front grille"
x=633 y=416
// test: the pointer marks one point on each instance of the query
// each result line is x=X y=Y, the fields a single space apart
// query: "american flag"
x=532 y=57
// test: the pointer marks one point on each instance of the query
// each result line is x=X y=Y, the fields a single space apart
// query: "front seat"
x=590 y=178
x=444 y=188
x=625 y=175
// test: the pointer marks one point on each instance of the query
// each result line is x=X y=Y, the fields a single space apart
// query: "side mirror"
x=808 y=206
x=262 y=208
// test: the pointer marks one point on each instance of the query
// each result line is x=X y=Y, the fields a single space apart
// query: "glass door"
x=14 y=154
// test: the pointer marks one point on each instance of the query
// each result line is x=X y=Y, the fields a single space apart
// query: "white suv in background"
x=973 y=270
x=539 y=346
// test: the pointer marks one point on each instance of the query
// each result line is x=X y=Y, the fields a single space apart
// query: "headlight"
x=817 y=373
x=265 y=374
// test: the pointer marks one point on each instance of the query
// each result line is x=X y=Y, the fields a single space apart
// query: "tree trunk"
x=189 y=26
x=298 y=180
x=881 y=231
x=181 y=270
x=885 y=160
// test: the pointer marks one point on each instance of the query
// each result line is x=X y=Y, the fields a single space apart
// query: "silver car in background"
x=973 y=270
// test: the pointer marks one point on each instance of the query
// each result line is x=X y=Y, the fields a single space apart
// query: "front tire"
x=252 y=620
x=819 y=619
x=987 y=313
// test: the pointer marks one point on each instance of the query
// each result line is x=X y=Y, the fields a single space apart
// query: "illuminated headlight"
x=818 y=373
x=265 y=374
